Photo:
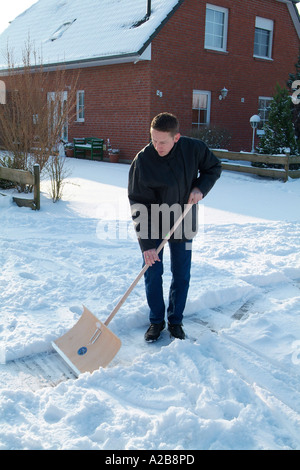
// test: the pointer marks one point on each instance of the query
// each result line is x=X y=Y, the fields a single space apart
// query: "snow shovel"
x=90 y=344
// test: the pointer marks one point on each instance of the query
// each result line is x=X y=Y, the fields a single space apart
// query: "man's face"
x=163 y=141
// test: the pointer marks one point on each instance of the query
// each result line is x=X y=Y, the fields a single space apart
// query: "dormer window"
x=60 y=31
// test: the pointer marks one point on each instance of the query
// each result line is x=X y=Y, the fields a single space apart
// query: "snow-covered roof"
x=73 y=31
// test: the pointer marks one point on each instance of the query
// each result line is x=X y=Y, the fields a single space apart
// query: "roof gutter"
x=94 y=62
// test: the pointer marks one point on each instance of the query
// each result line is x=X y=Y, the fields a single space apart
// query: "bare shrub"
x=39 y=104
x=215 y=137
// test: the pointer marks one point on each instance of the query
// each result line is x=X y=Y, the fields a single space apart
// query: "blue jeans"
x=181 y=257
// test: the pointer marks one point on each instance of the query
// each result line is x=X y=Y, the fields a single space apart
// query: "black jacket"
x=155 y=180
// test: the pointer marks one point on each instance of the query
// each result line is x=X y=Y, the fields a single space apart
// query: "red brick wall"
x=116 y=106
x=121 y=99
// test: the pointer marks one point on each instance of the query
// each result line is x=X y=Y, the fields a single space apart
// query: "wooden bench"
x=24 y=177
x=88 y=144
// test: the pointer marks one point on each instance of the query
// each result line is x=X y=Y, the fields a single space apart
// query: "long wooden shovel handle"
x=132 y=286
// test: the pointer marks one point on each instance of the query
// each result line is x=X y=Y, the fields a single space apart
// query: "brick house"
x=138 y=58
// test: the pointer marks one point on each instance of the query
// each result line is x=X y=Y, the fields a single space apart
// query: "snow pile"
x=233 y=384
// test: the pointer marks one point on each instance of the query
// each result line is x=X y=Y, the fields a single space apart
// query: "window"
x=57 y=102
x=2 y=92
x=201 y=108
x=264 y=109
x=60 y=31
x=216 y=25
x=264 y=104
x=263 y=38
x=80 y=106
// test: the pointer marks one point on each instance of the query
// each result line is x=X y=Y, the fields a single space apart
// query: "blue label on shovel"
x=82 y=351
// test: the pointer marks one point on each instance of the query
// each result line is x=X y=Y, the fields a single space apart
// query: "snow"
x=107 y=32
x=232 y=384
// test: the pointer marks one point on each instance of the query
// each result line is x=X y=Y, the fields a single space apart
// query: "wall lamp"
x=223 y=94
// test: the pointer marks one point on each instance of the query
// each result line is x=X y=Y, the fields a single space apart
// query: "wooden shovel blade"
x=88 y=345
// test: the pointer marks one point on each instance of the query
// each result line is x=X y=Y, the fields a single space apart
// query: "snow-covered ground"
x=233 y=384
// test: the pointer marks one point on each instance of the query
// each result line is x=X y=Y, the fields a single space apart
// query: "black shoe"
x=153 y=332
x=176 y=331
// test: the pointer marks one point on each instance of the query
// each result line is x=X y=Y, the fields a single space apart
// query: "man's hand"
x=195 y=196
x=150 y=256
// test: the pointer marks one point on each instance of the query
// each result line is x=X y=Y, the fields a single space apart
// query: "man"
x=166 y=174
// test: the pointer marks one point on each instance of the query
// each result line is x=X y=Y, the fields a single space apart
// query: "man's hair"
x=165 y=122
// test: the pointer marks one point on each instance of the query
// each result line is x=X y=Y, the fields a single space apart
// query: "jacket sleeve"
x=140 y=197
x=210 y=169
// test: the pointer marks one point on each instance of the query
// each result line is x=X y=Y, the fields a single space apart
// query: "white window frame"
x=266 y=99
x=80 y=107
x=208 y=94
x=265 y=25
x=263 y=119
x=63 y=99
x=224 y=11
x=2 y=92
